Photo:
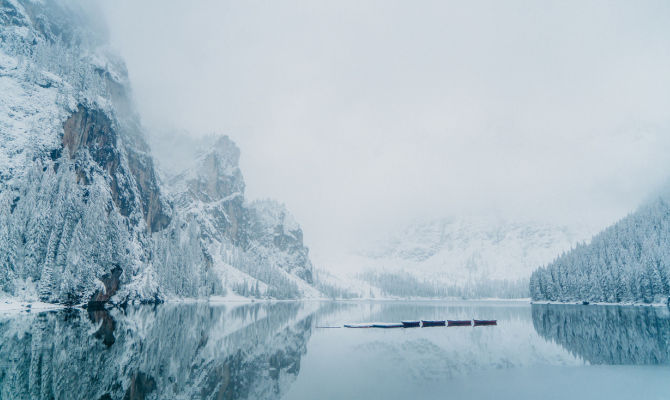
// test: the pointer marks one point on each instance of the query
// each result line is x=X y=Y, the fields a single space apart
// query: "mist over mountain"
x=351 y=199
x=84 y=215
x=470 y=257
x=364 y=117
x=97 y=206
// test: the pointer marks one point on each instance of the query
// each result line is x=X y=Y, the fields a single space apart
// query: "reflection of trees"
x=185 y=351
x=607 y=335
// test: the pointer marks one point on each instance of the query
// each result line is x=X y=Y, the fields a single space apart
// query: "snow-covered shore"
x=629 y=304
x=15 y=305
x=10 y=306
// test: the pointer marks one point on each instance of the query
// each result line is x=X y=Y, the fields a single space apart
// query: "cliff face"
x=80 y=199
x=212 y=188
x=89 y=135
x=279 y=237
x=256 y=247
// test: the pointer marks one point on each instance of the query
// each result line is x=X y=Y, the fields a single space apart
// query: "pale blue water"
x=277 y=351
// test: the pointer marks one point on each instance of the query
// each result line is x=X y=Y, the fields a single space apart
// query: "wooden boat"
x=360 y=325
x=429 y=323
x=411 y=324
x=459 y=322
x=480 y=322
x=387 y=325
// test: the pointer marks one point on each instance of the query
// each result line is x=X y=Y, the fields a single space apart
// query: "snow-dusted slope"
x=78 y=195
x=472 y=257
x=255 y=247
x=628 y=262
x=83 y=215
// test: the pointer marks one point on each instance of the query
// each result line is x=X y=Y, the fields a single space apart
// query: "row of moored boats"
x=424 y=323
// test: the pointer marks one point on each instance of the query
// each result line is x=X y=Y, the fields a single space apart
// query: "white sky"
x=363 y=115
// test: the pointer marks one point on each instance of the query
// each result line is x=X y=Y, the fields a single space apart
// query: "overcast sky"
x=361 y=115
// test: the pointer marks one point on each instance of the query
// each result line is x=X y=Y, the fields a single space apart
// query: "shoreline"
x=10 y=306
x=599 y=303
x=15 y=306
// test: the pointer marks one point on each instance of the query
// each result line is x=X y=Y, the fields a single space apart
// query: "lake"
x=280 y=351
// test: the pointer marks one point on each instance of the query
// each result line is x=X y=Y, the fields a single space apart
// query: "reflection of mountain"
x=607 y=335
x=435 y=354
x=189 y=352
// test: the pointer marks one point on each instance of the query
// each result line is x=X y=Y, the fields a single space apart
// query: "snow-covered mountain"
x=256 y=247
x=470 y=257
x=83 y=213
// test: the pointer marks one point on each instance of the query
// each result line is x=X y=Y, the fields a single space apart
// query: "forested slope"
x=627 y=262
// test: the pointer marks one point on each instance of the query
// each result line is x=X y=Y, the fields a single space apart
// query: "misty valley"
x=334 y=200
x=282 y=351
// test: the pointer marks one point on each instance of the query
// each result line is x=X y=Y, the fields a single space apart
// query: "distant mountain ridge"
x=463 y=257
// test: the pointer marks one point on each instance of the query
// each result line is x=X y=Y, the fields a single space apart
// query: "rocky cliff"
x=83 y=214
x=256 y=247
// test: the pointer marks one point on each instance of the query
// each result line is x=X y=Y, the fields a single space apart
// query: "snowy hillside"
x=469 y=257
x=628 y=262
x=83 y=213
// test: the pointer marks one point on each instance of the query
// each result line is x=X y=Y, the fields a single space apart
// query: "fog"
x=362 y=116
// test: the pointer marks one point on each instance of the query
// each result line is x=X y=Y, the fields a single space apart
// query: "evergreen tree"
x=627 y=262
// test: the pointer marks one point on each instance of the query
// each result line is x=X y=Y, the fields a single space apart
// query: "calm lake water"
x=279 y=351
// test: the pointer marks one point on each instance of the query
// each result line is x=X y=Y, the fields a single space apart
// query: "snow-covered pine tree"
x=627 y=262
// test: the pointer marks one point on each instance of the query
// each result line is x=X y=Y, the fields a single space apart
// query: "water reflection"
x=260 y=351
x=607 y=334
x=194 y=351
x=423 y=356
